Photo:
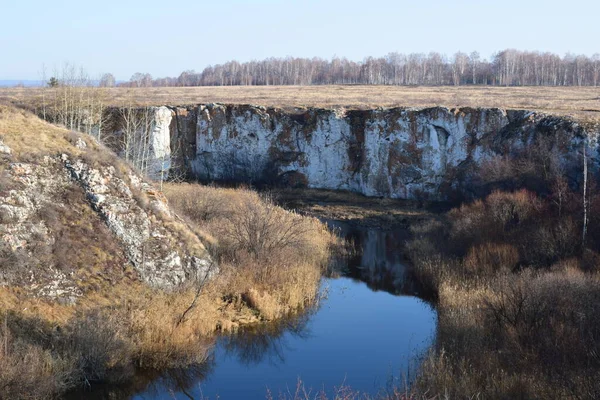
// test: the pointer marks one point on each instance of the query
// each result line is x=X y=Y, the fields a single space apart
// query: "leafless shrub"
x=508 y=209
x=101 y=346
x=262 y=228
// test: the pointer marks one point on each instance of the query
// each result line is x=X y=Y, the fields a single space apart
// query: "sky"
x=165 y=38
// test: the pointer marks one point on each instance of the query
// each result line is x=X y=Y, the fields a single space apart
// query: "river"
x=368 y=332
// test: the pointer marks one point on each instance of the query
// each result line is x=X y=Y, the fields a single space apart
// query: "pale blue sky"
x=167 y=37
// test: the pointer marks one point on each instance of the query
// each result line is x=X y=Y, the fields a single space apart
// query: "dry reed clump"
x=47 y=349
x=272 y=258
x=30 y=371
x=490 y=259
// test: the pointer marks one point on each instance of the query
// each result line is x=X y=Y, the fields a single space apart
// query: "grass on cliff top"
x=580 y=102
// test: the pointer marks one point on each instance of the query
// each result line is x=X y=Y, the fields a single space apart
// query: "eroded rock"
x=5 y=149
x=154 y=249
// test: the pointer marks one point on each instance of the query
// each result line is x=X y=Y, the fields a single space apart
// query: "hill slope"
x=73 y=216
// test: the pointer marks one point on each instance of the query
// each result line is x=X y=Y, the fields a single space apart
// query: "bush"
x=510 y=209
x=490 y=259
x=30 y=371
x=517 y=299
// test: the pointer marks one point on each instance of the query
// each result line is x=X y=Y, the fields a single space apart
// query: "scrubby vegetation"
x=518 y=294
x=270 y=262
x=516 y=287
x=271 y=255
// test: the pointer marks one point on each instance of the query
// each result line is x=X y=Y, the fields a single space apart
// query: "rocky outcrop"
x=27 y=190
x=4 y=148
x=73 y=221
x=151 y=247
x=159 y=157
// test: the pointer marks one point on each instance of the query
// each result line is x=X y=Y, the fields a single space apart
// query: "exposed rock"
x=73 y=222
x=80 y=144
x=183 y=140
x=4 y=148
x=399 y=153
x=153 y=249
x=160 y=144
x=22 y=231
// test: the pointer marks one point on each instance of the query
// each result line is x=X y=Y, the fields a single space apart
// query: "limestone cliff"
x=399 y=153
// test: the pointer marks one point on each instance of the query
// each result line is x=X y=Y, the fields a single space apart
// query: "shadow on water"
x=370 y=326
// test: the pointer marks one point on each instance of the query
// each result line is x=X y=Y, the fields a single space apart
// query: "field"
x=580 y=102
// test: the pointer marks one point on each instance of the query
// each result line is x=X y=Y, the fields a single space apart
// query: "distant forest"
x=506 y=68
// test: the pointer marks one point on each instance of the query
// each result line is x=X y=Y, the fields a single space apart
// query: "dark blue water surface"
x=367 y=333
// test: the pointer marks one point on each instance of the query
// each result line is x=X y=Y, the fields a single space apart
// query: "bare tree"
x=107 y=80
x=507 y=67
x=585 y=202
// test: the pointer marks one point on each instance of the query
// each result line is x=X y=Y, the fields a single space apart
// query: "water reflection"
x=267 y=342
x=378 y=260
x=357 y=337
x=154 y=384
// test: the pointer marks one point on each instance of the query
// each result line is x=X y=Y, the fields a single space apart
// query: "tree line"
x=505 y=68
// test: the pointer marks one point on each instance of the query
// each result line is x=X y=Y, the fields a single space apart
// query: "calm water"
x=367 y=333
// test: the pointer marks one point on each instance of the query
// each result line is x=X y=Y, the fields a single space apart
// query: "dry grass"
x=28 y=135
x=273 y=258
x=355 y=208
x=581 y=102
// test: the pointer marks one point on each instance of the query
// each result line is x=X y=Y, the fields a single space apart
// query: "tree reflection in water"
x=152 y=382
x=257 y=343
x=377 y=259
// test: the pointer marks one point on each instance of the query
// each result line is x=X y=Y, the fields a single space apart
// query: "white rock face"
x=147 y=242
x=160 y=144
x=399 y=153
x=5 y=149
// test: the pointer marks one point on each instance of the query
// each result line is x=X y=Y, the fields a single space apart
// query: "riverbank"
x=127 y=327
x=518 y=294
x=370 y=310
